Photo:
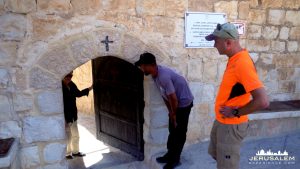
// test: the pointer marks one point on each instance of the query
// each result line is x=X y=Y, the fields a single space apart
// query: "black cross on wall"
x=107 y=42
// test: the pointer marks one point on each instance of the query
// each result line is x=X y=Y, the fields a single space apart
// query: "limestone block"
x=276 y=17
x=120 y=6
x=56 y=166
x=244 y=8
x=155 y=97
x=270 y=32
x=228 y=7
x=195 y=70
x=254 y=56
x=86 y=7
x=201 y=5
x=278 y=46
x=58 y=61
x=287 y=60
x=4 y=79
x=30 y=157
x=292 y=46
x=40 y=79
x=284 y=33
x=6 y=112
x=271 y=87
x=158 y=136
x=43 y=128
x=221 y=69
x=258 y=45
x=253 y=3
x=150 y=7
x=266 y=58
x=293 y=17
x=8 y=52
x=2 y=10
x=291 y=4
x=287 y=86
x=285 y=73
x=159 y=24
x=175 y=8
x=50 y=102
x=257 y=16
x=54 y=6
x=210 y=71
x=54 y=152
x=20 y=6
x=10 y=129
x=132 y=48
x=22 y=102
x=295 y=33
x=208 y=93
x=197 y=91
x=12 y=27
x=44 y=27
x=159 y=116
x=272 y=3
x=114 y=48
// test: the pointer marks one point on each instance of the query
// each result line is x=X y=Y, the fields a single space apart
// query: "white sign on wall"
x=200 y=24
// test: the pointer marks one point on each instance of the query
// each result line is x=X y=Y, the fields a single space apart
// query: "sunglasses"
x=219 y=28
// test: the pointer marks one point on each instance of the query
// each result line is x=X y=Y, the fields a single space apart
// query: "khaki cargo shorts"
x=225 y=143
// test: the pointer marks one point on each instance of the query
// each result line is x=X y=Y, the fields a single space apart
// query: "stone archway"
x=66 y=54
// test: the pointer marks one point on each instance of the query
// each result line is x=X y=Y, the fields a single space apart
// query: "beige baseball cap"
x=224 y=31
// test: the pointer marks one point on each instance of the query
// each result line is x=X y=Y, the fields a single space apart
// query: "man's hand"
x=173 y=119
x=90 y=88
x=226 y=111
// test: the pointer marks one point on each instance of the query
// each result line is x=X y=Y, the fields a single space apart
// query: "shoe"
x=69 y=157
x=79 y=154
x=171 y=165
x=163 y=159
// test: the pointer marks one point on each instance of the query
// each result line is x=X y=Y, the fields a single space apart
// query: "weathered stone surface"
x=46 y=26
x=85 y=7
x=22 y=102
x=285 y=73
x=43 y=128
x=228 y=7
x=56 y=166
x=165 y=26
x=208 y=93
x=210 y=71
x=157 y=136
x=40 y=79
x=254 y=31
x=120 y=6
x=132 y=48
x=291 y=4
x=4 y=79
x=287 y=60
x=159 y=117
x=272 y=3
x=201 y=5
x=244 y=8
x=202 y=92
x=114 y=48
x=254 y=56
x=287 y=86
x=258 y=45
x=292 y=46
x=8 y=52
x=175 y=8
x=253 y=3
x=20 y=6
x=54 y=6
x=83 y=49
x=5 y=109
x=58 y=61
x=276 y=17
x=30 y=157
x=150 y=7
x=295 y=33
x=195 y=70
x=270 y=32
x=257 y=16
x=293 y=17
x=12 y=27
x=10 y=129
x=54 y=152
x=278 y=46
x=50 y=102
x=284 y=33
x=2 y=7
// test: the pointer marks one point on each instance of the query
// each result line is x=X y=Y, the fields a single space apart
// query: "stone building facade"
x=42 y=40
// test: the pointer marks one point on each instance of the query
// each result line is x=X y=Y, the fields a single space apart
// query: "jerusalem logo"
x=268 y=157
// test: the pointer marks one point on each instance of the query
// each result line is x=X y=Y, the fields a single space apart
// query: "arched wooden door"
x=119 y=104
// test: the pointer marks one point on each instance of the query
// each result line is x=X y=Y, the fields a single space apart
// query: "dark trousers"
x=177 y=136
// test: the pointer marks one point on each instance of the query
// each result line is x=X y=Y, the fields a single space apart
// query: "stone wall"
x=41 y=41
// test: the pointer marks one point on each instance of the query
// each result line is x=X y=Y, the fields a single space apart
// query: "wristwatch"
x=235 y=112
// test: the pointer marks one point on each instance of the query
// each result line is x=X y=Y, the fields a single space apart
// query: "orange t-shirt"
x=239 y=79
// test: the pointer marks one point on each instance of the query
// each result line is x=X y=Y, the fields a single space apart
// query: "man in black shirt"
x=70 y=92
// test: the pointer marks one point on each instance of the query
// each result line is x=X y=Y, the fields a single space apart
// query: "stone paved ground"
x=101 y=156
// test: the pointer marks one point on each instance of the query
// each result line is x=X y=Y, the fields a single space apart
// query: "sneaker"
x=68 y=157
x=163 y=159
x=79 y=154
x=171 y=165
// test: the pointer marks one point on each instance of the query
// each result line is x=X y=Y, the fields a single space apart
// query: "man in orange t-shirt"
x=233 y=102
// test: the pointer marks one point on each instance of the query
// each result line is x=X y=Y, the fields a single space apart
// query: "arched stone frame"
x=63 y=56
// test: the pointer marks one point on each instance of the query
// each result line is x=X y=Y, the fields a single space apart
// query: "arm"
x=81 y=93
x=173 y=103
x=260 y=101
